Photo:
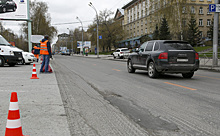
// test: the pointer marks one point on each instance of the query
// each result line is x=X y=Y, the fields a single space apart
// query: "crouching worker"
x=36 y=51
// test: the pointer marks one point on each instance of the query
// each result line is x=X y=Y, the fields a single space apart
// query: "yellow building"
x=141 y=17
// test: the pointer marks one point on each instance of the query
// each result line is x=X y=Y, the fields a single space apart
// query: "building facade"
x=142 y=16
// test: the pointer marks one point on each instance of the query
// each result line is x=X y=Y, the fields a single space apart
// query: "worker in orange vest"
x=36 y=51
x=45 y=51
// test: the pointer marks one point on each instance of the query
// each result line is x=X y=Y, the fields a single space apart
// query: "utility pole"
x=215 y=38
x=90 y=4
x=82 y=34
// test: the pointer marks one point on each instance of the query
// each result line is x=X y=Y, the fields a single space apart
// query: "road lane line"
x=179 y=86
x=116 y=69
x=208 y=77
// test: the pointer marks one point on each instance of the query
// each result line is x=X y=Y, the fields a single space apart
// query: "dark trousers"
x=46 y=60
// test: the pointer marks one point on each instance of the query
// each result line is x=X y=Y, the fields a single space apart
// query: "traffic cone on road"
x=34 y=73
x=13 y=126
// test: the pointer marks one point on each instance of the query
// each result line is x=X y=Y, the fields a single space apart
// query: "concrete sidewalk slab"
x=40 y=104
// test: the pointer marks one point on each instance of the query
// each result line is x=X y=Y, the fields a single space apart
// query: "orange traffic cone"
x=13 y=127
x=34 y=73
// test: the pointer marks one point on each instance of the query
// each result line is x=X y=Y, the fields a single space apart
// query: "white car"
x=121 y=53
x=28 y=58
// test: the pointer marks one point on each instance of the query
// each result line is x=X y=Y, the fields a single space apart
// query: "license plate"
x=19 y=58
x=182 y=60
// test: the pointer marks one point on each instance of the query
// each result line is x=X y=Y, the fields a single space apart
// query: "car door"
x=147 y=51
x=139 y=54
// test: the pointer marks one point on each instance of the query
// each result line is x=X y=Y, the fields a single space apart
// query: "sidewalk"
x=205 y=64
x=41 y=108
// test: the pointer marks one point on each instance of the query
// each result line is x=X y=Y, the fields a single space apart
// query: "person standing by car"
x=45 y=51
x=36 y=51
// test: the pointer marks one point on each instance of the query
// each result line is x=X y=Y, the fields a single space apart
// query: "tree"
x=110 y=30
x=210 y=31
x=193 y=33
x=41 y=20
x=164 y=33
x=145 y=38
x=156 y=33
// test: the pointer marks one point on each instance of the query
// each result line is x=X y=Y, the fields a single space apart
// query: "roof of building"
x=119 y=12
x=130 y=3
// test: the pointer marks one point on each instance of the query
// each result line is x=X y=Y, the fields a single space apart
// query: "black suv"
x=5 y=5
x=164 y=56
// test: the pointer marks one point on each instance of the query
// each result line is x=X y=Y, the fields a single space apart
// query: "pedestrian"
x=45 y=51
x=36 y=51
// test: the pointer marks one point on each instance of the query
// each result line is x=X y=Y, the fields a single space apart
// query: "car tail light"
x=121 y=52
x=163 y=55
x=197 y=56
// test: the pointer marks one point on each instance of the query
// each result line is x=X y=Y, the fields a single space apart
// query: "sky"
x=66 y=11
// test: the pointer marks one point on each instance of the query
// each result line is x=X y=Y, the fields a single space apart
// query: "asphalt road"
x=102 y=98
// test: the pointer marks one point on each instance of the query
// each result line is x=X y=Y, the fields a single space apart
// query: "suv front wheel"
x=152 y=72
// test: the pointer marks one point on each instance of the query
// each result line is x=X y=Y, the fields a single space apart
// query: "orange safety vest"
x=43 y=48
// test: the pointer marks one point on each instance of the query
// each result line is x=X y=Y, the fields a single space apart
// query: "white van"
x=9 y=54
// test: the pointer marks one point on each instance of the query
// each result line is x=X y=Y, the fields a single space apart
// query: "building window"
x=200 y=22
x=184 y=10
x=184 y=22
x=145 y=30
x=201 y=10
x=134 y=25
x=209 y=0
x=142 y=32
x=193 y=9
x=208 y=22
x=209 y=34
x=208 y=13
x=134 y=34
x=200 y=34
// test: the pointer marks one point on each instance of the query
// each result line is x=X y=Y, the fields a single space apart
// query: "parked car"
x=6 y=5
x=67 y=52
x=164 y=56
x=8 y=53
x=28 y=58
x=121 y=53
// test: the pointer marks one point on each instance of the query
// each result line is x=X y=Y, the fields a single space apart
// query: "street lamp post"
x=90 y=4
x=82 y=33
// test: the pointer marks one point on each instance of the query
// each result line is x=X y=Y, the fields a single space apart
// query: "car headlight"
x=11 y=53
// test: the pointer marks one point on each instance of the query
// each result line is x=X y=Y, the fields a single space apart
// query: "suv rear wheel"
x=130 y=67
x=152 y=72
x=188 y=75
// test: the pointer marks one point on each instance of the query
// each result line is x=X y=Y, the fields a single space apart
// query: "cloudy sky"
x=66 y=11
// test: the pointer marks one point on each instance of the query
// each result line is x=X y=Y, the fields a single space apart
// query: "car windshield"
x=3 y=41
x=178 y=46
